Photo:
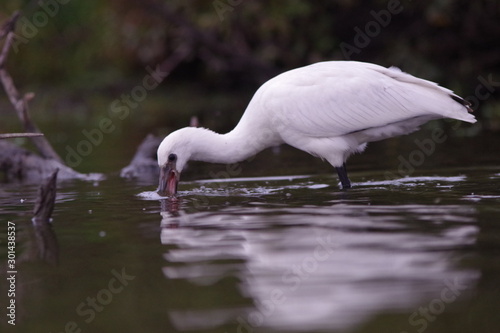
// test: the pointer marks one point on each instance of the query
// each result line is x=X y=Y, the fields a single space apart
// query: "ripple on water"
x=258 y=186
x=335 y=268
x=336 y=260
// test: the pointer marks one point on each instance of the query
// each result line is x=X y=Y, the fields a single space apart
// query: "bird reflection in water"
x=171 y=215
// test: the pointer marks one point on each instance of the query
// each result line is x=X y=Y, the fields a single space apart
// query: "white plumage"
x=328 y=109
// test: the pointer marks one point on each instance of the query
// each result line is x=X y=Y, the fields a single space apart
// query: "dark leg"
x=342 y=171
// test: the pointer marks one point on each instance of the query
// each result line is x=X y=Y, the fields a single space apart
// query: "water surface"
x=268 y=254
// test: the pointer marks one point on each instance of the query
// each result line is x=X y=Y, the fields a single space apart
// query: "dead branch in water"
x=46 y=240
x=46 y=198
x=144 y=163
x=17 y=163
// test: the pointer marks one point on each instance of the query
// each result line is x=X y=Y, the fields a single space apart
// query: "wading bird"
x=328 y=109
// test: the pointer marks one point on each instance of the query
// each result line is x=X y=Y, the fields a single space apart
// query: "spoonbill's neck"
x=232 y=147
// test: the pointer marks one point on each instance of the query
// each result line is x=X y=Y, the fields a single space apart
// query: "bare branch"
x=19 y=135
x=9 y=25
x=21 y=103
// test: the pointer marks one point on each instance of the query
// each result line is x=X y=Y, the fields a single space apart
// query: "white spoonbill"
x=328 y=109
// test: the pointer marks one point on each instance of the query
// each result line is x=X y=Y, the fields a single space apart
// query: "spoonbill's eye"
x=172 y=158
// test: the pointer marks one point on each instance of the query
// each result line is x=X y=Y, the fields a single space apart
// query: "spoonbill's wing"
x=336 y=98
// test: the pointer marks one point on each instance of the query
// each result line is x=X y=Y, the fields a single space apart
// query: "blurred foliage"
x=100 y=45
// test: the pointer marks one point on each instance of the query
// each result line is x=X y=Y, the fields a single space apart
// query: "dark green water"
x=278 y=254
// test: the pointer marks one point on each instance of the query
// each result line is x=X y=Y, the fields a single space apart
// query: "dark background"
x=80 y=56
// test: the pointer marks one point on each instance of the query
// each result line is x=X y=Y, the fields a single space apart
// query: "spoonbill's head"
x=173 y=153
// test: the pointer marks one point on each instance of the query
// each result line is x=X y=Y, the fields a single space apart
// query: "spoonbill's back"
x=328 y=109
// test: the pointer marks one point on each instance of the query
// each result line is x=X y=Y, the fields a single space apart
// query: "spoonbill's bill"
x=328 y=109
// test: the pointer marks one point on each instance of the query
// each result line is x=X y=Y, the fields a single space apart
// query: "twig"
x=9 y=25
x=19 y=135
x=48 y=247
x=21 y=103
x=46 y=198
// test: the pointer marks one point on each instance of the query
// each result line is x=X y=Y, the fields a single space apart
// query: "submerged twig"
x=46 y=198
x=48 y=248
